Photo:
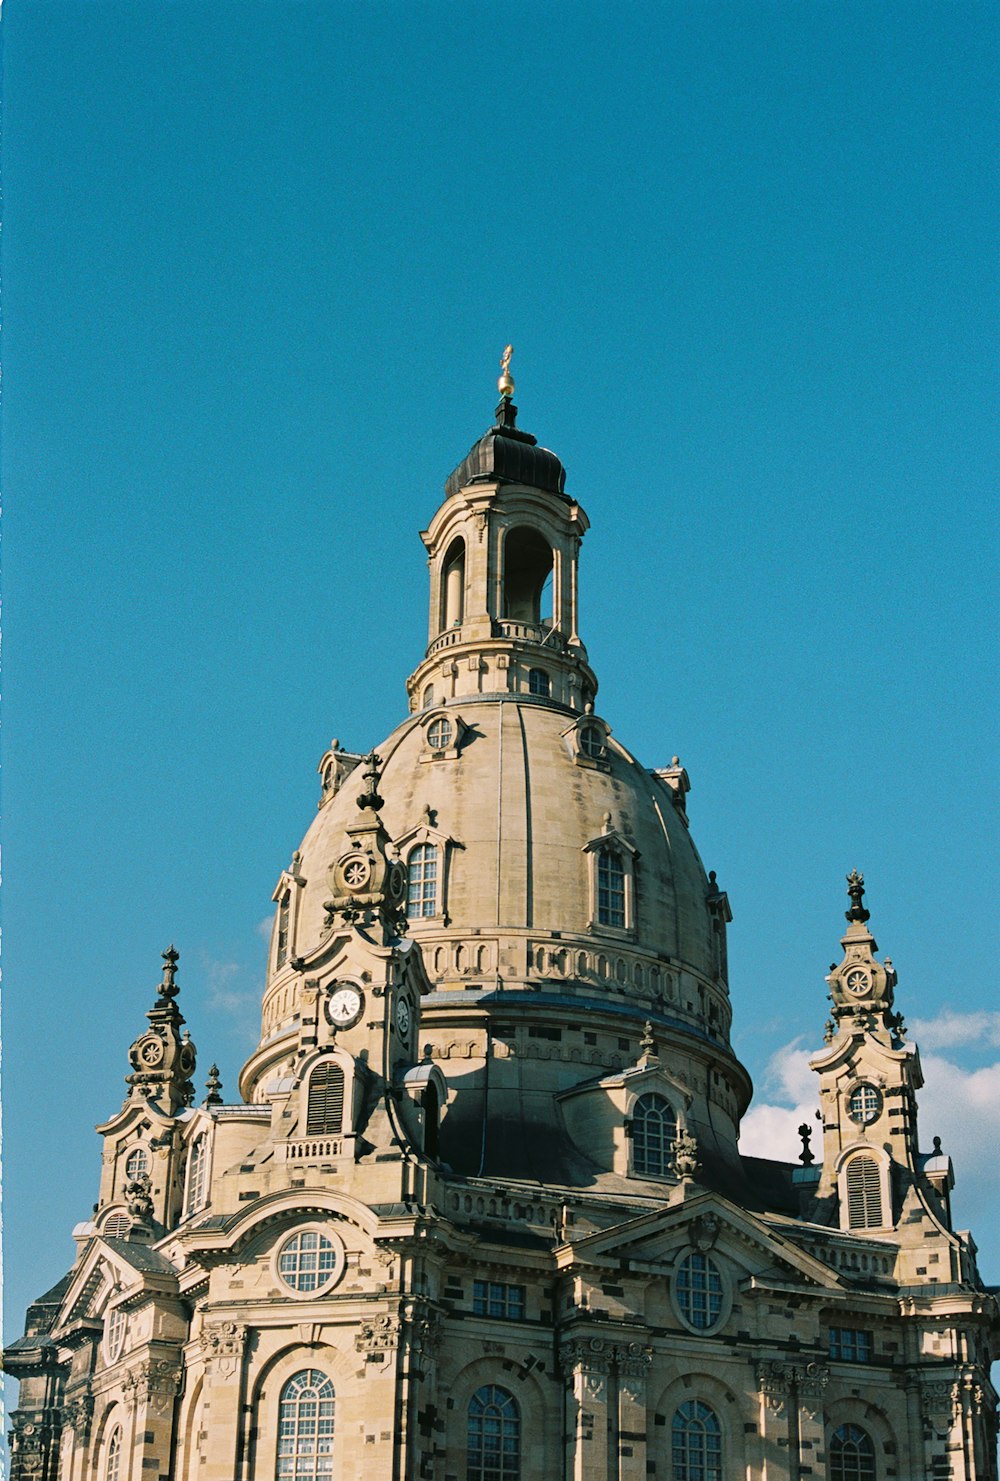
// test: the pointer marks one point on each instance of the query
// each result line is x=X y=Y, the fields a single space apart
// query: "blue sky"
x=259 y=264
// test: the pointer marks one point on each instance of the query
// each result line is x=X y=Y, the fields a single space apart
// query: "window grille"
x=325 y=1107
x=539 y=683
x=698 y=1289
x=864 y=1105
x=696 y=1443
x=197 y=1173
x=307 y=1261
x=864 y=1194
x=113 y=1459
x=850 y=1345
x=610 y=889
x=439 y=735
x=422 y=881
x=493 y=1436
x=494 y=1298
x=852 y=1454
x=592 y=742
x=137 y=1163
x=654 y=1131
x=305 y=1428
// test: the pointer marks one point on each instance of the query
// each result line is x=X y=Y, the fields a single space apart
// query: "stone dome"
x=514 y=798
x=508 y=455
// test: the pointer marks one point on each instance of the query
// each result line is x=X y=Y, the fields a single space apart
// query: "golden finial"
x=505 y=385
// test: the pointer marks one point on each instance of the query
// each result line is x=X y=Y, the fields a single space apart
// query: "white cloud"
x=264 y=927
x=961 y=1106
x=950 y=1030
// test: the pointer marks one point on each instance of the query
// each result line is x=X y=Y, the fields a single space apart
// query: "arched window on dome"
x=851 y=1455
x=695 y=1443
x=493 y=1436
x=654 y=1131
x=284 y=918
x=527 y=567
x=863 y=1182
x=325 y=1100
x=610 y=888
x=422 y=881
x=453 y=585
x=539 y=683
x=305 y=1428
x=196 y=1183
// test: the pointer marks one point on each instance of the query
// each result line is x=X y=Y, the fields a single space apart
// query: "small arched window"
x=197 y=1176
x=539 y=683
x=422 y=881
x=864 y=1194
x=305 y=1428
x=453 y=584
x=610 y=888
x=325 y=1104
x=654 y=1130
x=527 y=568
x=113 y=1455
x=494 y=1436
x=852 y=1454
x=696 y=1443
x=428 y=698
x=432 y=1117
x=284 y=915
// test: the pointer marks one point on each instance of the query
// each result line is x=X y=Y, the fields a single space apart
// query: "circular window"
x=857 y=982
x=592 y=742
x=137 y=1163
x=114 y=1333
x=864 y=1104
x=698 y=1291
x=356 y=872
x=439 y=735
x=310 y=1261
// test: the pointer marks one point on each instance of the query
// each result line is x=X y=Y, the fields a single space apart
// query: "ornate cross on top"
x=168 y=987
x=369 y=797
x=856 y=890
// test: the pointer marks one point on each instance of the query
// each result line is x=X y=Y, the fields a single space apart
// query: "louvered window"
x=864 y=1194
x=325 y=1113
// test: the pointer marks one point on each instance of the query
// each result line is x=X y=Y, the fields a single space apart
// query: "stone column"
x=378 y=1339
x=809 y=1386
x=773 y=1428
x=633 y=1363
x=78 y=1417
x=149 y=1391
x=223 y=1346
x=587 y=1363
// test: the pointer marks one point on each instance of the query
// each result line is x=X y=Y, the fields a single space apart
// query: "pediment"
x=133 y=1113
x=109 y=1269
x=706 y=1221
x=635 y=1079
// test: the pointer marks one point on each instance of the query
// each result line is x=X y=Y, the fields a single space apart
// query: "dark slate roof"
x=509 y=455
x=141 y=1257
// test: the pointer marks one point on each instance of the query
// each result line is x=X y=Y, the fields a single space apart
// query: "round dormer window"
x=310 y=1261
x=864 y=1104
x=137 y=1163
x=592 y=742
x=439 y=733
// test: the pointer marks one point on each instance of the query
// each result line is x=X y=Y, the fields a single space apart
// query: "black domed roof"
x=507 y=454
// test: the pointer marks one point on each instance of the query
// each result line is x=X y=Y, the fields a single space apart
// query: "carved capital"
x=155 y=1384
x=78 y=1416
x=222 y=1345
x=379 y=1335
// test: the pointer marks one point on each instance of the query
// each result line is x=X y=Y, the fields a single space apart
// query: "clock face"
x=857 y=982
x=403 y=1016
x=151 y=1051
x=344 y=1007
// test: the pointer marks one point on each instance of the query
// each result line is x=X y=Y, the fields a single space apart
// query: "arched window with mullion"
x=852 y=1454
x=305 y=1428
x=422 y=881
x=654 y=1131
x=113 y=1456
x=493 y=1436
x=696 y=1443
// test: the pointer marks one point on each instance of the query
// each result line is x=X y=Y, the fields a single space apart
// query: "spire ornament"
x=505 y=385
x=369 y=798
x=213 y=1085
x=856 y=890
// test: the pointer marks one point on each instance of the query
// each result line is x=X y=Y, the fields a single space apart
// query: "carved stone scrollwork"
x=222 y=1345
x=593 y=1358
x=156 y=1385
x=379 y=1335
x=30 y=1440
x=78 y=1415
x=773 y=1385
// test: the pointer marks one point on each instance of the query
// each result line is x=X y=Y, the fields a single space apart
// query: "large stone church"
x=477 y=1212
